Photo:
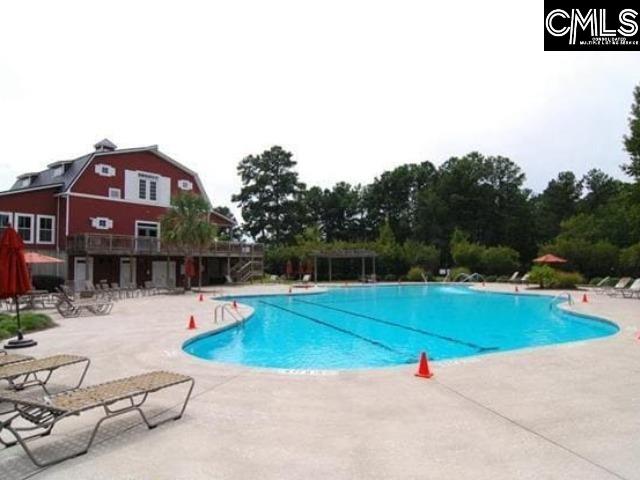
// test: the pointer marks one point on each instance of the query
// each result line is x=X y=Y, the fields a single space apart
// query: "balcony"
x=105 y=244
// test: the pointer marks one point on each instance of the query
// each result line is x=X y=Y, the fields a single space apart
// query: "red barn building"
x=101 y=214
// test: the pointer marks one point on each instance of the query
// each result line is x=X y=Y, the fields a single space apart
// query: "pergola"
x=336 y=254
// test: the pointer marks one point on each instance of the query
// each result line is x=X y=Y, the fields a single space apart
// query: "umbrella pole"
x=18 y=317
x=20 y=341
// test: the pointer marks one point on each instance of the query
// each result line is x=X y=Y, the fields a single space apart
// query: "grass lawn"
x=30 y=322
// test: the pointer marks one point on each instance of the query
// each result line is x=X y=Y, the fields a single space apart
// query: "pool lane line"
x=339 y=329
x=406 y=327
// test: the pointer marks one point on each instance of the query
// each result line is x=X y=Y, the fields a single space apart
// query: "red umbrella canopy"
x=14 y=274
x=34 y=257
x=549 y=258
x=289 y=268
x=189 y=268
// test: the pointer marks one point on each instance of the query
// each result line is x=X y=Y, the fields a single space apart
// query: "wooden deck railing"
x=106 y=244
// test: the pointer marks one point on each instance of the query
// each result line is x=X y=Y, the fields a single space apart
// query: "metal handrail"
x=226 y=307
x=569 y=299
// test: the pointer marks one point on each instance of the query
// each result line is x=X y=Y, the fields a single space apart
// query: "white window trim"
x=111 y=171
x=114 y=189
x=148 y=223
x=148 y=178
x=53 y=229
x=184 y=184
x=95 y=223
x=10 y=214
x=32 y=217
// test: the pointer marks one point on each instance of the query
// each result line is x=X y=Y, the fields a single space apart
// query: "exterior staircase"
x=247 y=269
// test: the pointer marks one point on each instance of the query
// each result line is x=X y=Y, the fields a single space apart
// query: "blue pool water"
x=383 y=326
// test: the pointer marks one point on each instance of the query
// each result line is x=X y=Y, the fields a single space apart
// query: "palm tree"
x=187 y=228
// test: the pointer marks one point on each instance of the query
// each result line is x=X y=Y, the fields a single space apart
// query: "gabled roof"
x=46 y=178
x=76 y=166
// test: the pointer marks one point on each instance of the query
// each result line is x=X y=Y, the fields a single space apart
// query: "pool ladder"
x=553 y=300
x=227 y=307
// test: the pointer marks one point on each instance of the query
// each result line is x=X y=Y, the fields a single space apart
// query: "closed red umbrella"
x=14 y=278
x=189 y=268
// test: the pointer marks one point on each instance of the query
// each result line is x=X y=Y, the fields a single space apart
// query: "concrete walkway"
x=559 y=412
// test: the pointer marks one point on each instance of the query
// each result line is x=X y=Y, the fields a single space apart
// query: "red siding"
x=124 y=215
x=92 y=183
x=42 y=202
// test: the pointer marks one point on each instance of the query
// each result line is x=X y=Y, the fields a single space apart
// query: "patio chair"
x=69 y=307
x=42 y=415
x=633 y=290
x=31 y=372
x=618 y=287
x=7 y=358
x=525 y=279
x=228 y=279
x=514 y=278
x=599 y=287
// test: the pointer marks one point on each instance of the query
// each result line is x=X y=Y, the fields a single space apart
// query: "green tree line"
x=472 y=210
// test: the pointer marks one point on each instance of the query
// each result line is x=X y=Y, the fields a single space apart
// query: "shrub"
x=547 y=277
x=543 y=275
x=490 y=278
x=566 y=279
x=630 y=260
x=455 y=272
x=599 y=258
x=595 y=281
x=390 y=277
x=416 y=274
x=30 y=322
x=503 y=278
x=467 y=255
x=500 y=260
x=421 y=255
x=46 y=282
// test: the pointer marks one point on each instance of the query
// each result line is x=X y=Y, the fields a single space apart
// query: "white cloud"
x=352 y=88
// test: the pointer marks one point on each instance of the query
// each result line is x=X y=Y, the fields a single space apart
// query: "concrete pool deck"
x=556 y=412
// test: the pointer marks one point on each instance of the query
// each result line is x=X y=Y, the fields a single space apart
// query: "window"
x=58 y=171
x=153 y=190
x=115 y=193
x=147 y=187
x=105 y=170
x=102 y=223
x=5 y=219
x=24 y=226
x=147 y=229
x=142 y=189
x=185 y=185
x=25 y=182
x=46 y=229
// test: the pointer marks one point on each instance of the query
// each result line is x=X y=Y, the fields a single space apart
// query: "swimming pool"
x=362 y=327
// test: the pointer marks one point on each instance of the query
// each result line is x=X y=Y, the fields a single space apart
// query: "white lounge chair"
x=514 y=277
x=633 y=290
x=618 y=287
x=601 y=286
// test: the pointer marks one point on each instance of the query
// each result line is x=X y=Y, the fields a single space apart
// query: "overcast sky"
x=352 y=88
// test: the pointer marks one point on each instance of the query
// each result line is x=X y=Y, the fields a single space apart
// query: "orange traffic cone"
x=201 y=298
x=517 y=289
x=235 y=305
x=423 y=367
x=192 y=323
x=584 y=298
